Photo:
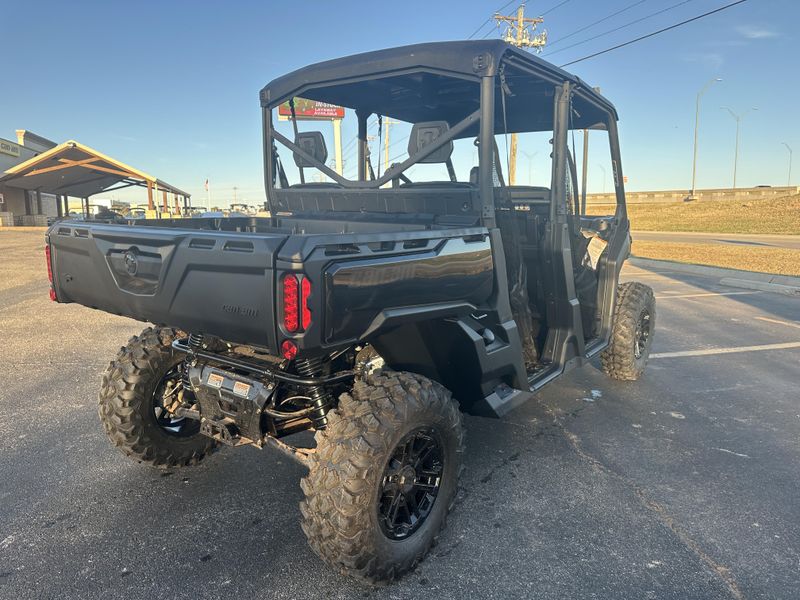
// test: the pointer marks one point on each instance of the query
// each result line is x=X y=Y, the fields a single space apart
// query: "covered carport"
x=74 y=170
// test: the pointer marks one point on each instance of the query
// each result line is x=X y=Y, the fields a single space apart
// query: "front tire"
x=384 y=476
x=130 y=410
x=632 y=332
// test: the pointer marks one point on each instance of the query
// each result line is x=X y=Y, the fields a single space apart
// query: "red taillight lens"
x=49 y=263
x=291 y=303
x=305 y=292
x=288 y=349
x=49 y=259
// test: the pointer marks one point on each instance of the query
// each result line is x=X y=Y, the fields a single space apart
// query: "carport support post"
x=59 y=208
x=38 y=202
x=150 y=204
x=486 y=148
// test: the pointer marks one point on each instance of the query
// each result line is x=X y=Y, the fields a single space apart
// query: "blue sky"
x=172 y=87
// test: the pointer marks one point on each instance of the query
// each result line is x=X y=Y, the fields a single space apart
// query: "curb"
x=763 y=282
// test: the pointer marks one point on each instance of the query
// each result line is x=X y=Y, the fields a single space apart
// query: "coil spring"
x=321 y=398
x=195 y=342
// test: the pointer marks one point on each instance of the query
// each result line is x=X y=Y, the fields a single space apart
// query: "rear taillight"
x=296 y=292
x=305 y=292
x=49 y=258
x=288 y=350
x=291 y=303
x=49 y=263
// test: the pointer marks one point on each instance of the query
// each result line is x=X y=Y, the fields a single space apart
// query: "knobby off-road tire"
x=632 y=332
x=127 y=404
x=347 y=474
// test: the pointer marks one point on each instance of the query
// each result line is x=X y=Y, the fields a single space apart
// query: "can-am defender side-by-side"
x=374 y=308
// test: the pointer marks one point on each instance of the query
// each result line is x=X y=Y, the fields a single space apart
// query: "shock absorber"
x=321 y=398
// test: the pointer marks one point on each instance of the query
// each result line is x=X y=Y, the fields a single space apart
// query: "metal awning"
x=72 y=169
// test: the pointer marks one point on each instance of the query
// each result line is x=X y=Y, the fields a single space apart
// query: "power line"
x=644 y=37
x=590 y=25
x=605 y=33
x=489 y=20
x=559 y=5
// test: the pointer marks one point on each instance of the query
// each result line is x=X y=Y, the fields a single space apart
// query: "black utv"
x=371 y=307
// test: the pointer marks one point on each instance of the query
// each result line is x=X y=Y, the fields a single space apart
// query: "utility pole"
x=519 y=32
x=234 y=194
x=789 y=179
x=696 y=127
x=386 y=122
x=738 y=119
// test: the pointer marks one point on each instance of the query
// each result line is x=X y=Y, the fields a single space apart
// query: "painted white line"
x=712 y=351
x=710 y=294
x=732 y=452
x=789 y=323
x=649 y=274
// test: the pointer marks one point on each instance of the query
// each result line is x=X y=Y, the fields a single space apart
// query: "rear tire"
x=127 y=404
x=357 y=476
x=632 y=332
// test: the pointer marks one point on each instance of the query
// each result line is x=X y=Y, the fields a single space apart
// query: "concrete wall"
x=711 y=194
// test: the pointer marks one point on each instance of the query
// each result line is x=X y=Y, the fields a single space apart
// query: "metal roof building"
x=46 y=175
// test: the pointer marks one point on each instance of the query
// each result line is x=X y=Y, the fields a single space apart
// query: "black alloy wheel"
x=642 y=334
x=411 y=482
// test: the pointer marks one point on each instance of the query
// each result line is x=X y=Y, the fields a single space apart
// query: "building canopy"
x=72 y=169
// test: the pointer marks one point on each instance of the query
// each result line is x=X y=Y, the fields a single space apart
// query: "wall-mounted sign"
x=9 y=148
x=311 y=109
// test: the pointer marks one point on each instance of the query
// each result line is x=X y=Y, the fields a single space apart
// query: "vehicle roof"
x=349 y=81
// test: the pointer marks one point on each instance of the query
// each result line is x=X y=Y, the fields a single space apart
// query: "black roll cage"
x=484 y=117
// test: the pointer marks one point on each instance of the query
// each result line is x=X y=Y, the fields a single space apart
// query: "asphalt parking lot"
x=682 y=485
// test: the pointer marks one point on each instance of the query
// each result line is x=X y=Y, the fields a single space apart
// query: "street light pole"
x=696 y=127
x=738 y=119
x=605 y=175
x=789 y=180
x=530 y=158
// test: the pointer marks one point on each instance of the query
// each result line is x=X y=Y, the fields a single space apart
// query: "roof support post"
x=362 y=145
x=616 y=164
x=486 y=149
x=270 y=157
x=150 y=204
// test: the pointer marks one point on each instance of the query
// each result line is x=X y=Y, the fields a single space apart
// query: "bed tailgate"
x=220 y=283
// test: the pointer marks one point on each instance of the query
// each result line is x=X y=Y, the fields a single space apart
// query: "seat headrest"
x=313 y=143
x=424 y=134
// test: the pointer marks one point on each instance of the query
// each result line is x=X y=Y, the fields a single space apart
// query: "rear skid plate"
x=225 y=432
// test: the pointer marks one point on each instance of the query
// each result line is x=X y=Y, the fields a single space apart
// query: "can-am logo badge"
x=131 y=262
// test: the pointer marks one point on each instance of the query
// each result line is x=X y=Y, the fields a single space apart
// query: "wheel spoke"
x=394 y=507
x=410 y=483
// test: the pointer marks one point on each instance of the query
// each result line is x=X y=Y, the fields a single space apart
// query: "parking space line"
x=776 y=321
x=704 y=294
x=731 y=350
